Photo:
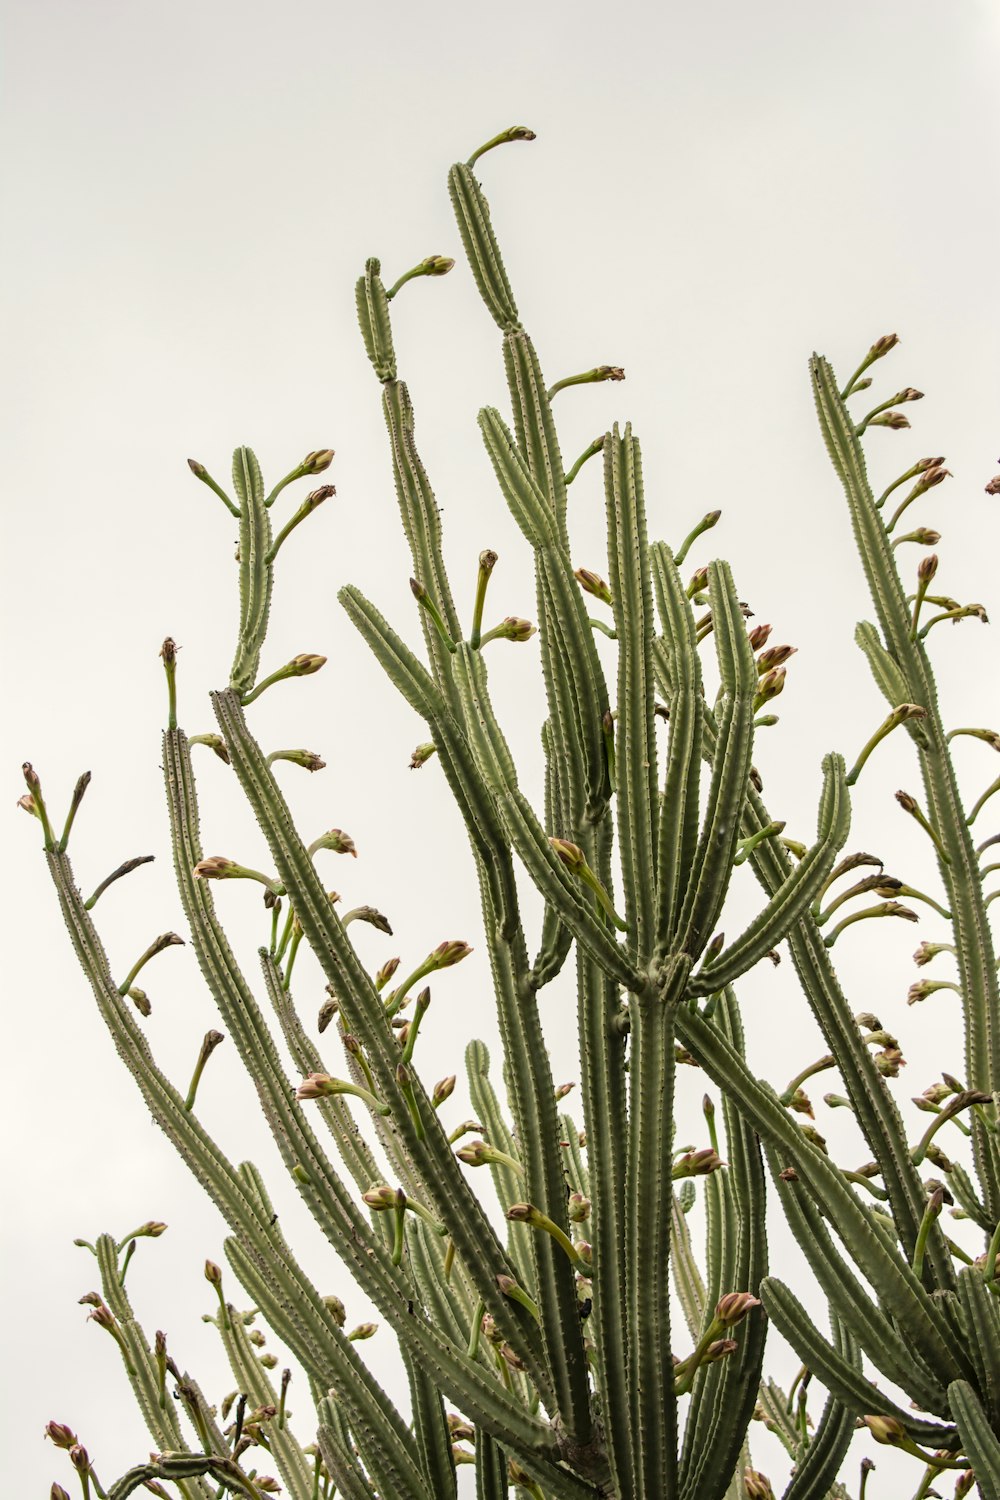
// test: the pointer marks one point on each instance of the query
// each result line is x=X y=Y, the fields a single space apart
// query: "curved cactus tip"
x=512 y=133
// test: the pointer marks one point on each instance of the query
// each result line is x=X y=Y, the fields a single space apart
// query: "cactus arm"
x=648 y=1206
x=534 y=427
x=861 y=1318
x=529 y=1081
x=331 y=1204
x=688 y=1282
x=508 y=1185
x=603 y=1087
x=681 y=679
x=900 y=1292
x=340 y=1462
x=978 y=1438
x=430 y=1430
x=491 y=1469
x=981 y=1320
x=277 y=1277
x=439 y=1297
x=293 y=1466
x=796 y=893
x=632 y=594
x=871 y=1101
x=256 y=572
x=481 y=248
x=713 y=862
x=333 y=1109
x=436 y=1168
x=162 y=1422
x=817 y=1471
x=566 y=618
x=725 y=1393
x=958 y=866
x=556 y=939
x=421 y=522
x=888 y=675
x=373 y=316
x=840 y=1376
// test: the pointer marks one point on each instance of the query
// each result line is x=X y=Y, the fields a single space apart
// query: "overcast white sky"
x=192 y=189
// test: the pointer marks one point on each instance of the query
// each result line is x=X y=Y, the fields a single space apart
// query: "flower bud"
x=151 y=1230
x=733 y=1308
x=335 y=1308
x=386 y=972
x=327 y=1011
x=887 y=1430
x=269 y=1361
x=757 y=1485
x=381 y=1198
x=927 y=567
x=769 y=686
x=909 y=394
x=60 y=1434
x=718 y=1349
x=28 y=805
x=513 y=629
x=593 y=583
x=315 y=1086
x=58 y=1493
x=317 y=461
x=213 y=1273
x=578 y=1208
x=964 y=1483
x=774 y=656
x=443 y=1089
x=445 y=955
x=697 y=1163
x=893 y=419
x=571 y=854
x=562 y=1090
x=216 y=867
x=79 y=1458
x=758 y=637
x=437 y=265
x=363 y=1331
x=882 y=345
x=422 y=755
x=305 y=664
x=337 y=840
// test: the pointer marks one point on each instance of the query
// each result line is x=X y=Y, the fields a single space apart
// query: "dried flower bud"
x=60 y=1434
x=422 y=755
x=140 y=1000
x=889 y=1061
x=593 y=583
x=28 y=805
x=801 y=1104
x=993 y=488
x=718 y=1349
x=317 y=461
x=909 y=394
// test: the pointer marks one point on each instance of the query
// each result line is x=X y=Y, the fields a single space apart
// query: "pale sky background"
x=192 y=189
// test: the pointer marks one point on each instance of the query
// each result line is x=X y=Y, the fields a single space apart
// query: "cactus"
x=554 y=1339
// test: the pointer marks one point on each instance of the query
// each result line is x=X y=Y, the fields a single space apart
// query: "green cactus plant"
x=554 y=1342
